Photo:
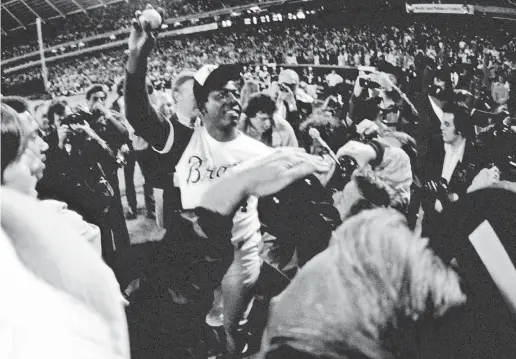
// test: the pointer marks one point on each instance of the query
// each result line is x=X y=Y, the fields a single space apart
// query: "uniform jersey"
x=206 y=160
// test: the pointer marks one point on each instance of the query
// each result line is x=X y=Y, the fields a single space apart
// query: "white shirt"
x=438 y=111
x=334 y=79
x=341 y=60
x=452 y=156
x=39 y=321
x=206 y=160
x=185 y=120
x=291 y=60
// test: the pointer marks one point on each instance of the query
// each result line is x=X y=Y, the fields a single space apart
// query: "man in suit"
x=453 y=156
x=436 y=92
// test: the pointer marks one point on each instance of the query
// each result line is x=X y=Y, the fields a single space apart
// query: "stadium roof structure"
x=22 y=13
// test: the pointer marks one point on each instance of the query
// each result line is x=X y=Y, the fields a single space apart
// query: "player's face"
x=223 y=108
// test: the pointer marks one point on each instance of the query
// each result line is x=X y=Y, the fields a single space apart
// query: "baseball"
x=152 y=16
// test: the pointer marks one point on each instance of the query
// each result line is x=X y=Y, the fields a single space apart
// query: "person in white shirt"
x=214 y=149
x=341 y=61
x=62 y=300
x=457 y=162
x=333 y=79
x=290 y=59
x=184 y=101
x=258 y=123
x=202 y=155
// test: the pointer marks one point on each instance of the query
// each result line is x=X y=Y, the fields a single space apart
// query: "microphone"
x=314 y=133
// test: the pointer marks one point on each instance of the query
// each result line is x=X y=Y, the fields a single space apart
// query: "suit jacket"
x=462 y=177
x=464 y=172
x=426 y=129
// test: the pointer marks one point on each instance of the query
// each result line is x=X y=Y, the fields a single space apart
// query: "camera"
x=77 y=118
x=437 y=190
x=347 y=165
x=368 y=84
x=82 y=117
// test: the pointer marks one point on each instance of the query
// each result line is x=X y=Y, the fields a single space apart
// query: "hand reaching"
x=485 y=178
x=142 y=39
x=281 y=168
x=261 y=177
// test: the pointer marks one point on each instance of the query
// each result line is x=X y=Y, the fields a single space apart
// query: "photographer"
x=377 y=98
x=292 y=103
x=109 y=126
x=74 y=174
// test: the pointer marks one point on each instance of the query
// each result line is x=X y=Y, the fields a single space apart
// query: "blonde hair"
x=362 y=296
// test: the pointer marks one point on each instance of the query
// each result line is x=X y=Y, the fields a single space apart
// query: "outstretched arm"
x=147 y=122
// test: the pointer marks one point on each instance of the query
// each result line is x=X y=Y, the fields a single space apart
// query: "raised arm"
x=147 y=122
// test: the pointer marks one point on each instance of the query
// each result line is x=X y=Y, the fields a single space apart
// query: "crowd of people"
x=348 y=45
x=97 y=21
x=361 y=211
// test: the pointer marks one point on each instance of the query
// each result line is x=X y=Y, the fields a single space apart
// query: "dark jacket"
x=465 y=171
x=485 y=326
x=462 y=177
x=152 y=126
